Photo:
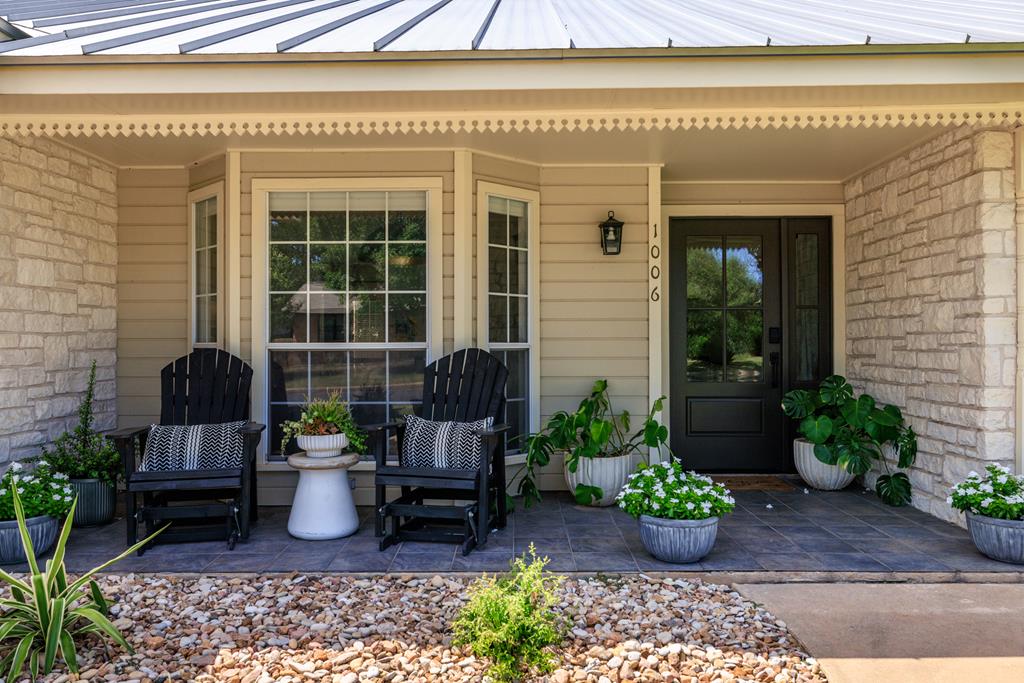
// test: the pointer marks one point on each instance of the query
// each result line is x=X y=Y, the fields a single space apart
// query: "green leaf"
x=600 y=431
x=104 y=625
x=20 y=655
x=855 y=460
x=893 y=489
x=6 y=628
x=906 y=446
x=97 y=597
x=68 y=652
x=816 y=429
x=57 y=560
x=856 y=413
x=824 y=454
x=57 y=606
x=26 y=540
x=888 y=416
x=586 y=495
x=798 y=404
x=835 y=390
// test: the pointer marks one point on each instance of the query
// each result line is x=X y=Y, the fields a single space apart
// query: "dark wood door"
x=726 y=344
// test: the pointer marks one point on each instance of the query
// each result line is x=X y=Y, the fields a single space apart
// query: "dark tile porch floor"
x=847 y=531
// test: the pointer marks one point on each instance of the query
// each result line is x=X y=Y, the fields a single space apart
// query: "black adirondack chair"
x=208 y=386
x=466 y=386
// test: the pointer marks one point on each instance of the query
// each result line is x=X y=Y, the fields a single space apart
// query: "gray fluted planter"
x=680 y=541
x=817 y=474
x=1000 y=539
x=42 y=530
x=96 y=502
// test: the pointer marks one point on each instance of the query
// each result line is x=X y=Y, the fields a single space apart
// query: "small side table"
x=323 y=507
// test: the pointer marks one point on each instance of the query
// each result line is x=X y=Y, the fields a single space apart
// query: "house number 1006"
x=655 y=272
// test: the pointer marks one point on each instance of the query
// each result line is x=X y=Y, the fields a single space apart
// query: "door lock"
x=774 y=335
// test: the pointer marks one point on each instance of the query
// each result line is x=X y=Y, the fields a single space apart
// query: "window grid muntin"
x=348 y=345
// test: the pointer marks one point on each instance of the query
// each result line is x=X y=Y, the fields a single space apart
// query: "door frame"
x=658 y=278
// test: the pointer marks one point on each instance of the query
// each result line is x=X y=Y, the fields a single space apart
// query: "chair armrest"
x=125 y=433
x=492 y=431
x=251 y=428
x=382 y=427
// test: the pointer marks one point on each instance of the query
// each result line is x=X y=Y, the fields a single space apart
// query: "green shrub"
x=82 y=453
x=322 y=417
x=510 y=620
x=45 y=613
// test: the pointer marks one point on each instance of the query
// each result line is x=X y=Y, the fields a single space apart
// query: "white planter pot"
x=817 y=474
x=608 y=474
x=681 y=541
x=323 y=446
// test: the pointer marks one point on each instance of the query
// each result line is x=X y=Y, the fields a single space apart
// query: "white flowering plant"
x=998 y=494
x=42 y=492
x=665 y=490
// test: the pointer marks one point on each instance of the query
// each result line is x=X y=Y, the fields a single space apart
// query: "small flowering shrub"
x=664 y=490
x=42 y=492
x=999 y=494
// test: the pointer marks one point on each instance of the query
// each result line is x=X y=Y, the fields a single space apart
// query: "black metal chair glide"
x=208 y=386
x=466 y=386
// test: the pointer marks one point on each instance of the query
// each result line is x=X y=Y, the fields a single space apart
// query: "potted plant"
x=846 y=435
x=90 y=461
x=324 y=429
x=994 y=505
x=678 y=511
x=46 y=497
x=600 y=453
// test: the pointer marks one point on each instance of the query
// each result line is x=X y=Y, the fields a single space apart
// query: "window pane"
x=329 y=370
x=497 y=315
x=703 y=272
x=288 y=317
x=211 y=255
x=407 y=215
x=516 y=417
x=327 y=267
x=704 y=346
x=202 y=320
x=278 y=415
x=369 y=375
x=201 y=235
x=210 y=331
x=287 y=267
x=517 y=280
x=407 y=318
x=744 y=334
x=743 y=271
x=518 y=319
x=366 y=211
x=369 y=414
x=518 y=363
x=367 y=315
x=805 y=266
x=406 y=374
x=328 y=317
x=517 y=230
x=211 y=221
x=497 y=220
x=287 y=216
x=289 y=376
x=497 y=268
x=327 y=216
x=202 y=271
x=407 y=267
x=366 y=266
x=806 y=344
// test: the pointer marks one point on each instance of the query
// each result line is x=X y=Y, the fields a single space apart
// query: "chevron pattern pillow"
x=193 y=447
x=451 y=445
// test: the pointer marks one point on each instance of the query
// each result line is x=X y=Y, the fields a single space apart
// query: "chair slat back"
x=207 y=386
x=465 y=386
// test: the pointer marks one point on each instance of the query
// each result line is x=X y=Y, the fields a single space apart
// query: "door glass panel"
x=704 y=352
x=806 y=344
x=744 y=332
x=703 y=271
x=805 y=267
x=744 y=274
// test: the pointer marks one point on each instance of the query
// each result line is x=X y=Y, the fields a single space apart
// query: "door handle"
x=773 y=359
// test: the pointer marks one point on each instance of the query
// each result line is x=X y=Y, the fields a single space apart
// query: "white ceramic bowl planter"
x=1000 y=539
x=817 y=474
x=322 y=445
x=608 y=474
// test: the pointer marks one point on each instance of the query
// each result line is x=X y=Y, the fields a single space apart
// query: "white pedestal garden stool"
x=323 y=507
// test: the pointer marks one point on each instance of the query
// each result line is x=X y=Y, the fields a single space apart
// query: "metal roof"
x=154 y=27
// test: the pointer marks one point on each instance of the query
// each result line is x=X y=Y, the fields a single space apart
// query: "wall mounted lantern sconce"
x=611 y=235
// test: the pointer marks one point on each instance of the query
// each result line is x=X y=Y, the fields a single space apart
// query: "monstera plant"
x=850 y=432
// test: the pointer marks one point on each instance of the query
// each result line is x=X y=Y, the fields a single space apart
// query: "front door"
x=731 y=314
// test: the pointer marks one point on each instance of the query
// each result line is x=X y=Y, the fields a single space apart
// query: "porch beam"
x=233 y=276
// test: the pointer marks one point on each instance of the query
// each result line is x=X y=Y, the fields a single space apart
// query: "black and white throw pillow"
x=451 y=445
x=193 y=447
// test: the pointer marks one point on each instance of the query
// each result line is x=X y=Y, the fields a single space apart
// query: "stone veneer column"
x=58 y=295
x=930 y=294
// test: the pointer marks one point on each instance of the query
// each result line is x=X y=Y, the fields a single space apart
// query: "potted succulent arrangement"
x=90 y=461
x=324 y=429
x=600 y=452
x=678 y=511
x=46 y=498
x=994 y=505
x=845 y=435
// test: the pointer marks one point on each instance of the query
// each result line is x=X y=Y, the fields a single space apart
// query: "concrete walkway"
x=905 y=633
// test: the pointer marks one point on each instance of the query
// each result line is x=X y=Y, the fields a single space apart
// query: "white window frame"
x=484 y=191
x=261 y=190
x=214 y=191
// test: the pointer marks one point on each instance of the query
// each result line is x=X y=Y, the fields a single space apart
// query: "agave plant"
x=45 y=613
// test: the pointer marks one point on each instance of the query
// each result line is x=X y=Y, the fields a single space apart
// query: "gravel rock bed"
x=346 y=629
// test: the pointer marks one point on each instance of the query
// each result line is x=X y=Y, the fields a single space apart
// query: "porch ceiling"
x=728 y=155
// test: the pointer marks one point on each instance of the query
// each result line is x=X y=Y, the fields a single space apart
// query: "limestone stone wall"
x=930 y=295
x=58 y=296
